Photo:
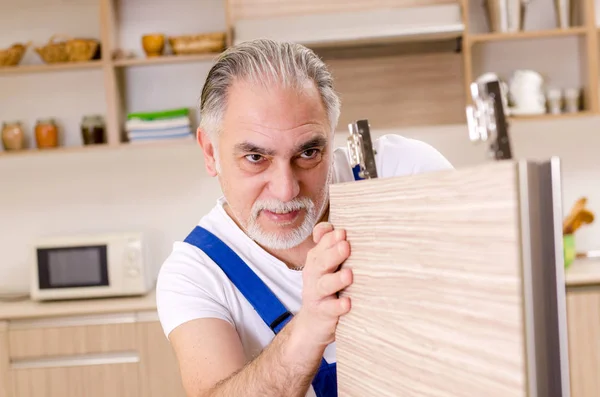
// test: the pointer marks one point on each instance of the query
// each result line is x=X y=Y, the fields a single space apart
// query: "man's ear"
x=209 y=151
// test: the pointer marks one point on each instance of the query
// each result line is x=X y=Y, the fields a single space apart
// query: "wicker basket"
x=68 y=50
x=198 y=44
x=82 y=50
x=13 y=55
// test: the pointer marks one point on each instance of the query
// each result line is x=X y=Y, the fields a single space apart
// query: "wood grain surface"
x=436 y=300
x=395 y=90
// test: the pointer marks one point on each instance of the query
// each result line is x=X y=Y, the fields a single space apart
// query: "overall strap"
x=266 y=304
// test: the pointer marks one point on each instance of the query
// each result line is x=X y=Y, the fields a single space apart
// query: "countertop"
x=30 y=309
x=582 y=272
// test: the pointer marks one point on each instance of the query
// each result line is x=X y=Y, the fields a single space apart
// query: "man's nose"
x=284 y=184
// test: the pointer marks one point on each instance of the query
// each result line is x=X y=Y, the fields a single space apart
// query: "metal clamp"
x=360 y=147
x=486 y=120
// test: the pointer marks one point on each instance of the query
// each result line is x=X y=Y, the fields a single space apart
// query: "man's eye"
x=254 y=158
x=310 y=154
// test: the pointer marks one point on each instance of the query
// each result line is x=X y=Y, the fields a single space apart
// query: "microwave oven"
x=90 y=266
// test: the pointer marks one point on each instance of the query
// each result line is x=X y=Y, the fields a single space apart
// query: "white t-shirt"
x=191 y=286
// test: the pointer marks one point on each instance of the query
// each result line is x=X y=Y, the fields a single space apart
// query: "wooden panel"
x=4 y=392
x=243 y=9
x=399 y=86
x=114 y=115
x=62 y=341
x=437 y=306
x=159 y=370
x=583 y=311
x=91 y=381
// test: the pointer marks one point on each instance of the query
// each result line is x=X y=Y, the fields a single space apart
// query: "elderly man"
x=249 y=299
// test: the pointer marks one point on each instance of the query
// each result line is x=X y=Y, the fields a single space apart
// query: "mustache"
x=274 y=205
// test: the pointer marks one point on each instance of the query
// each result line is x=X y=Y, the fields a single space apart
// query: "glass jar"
x=93 y=130
x=46 y=134
x=13 y=136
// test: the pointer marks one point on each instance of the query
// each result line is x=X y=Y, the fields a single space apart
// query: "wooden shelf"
x=27 y=69
x=532 y=34
x=90 y=148
x=166 y=59
x=549 y=116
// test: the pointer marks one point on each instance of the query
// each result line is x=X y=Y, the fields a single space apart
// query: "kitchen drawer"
x=75 y=377
x=64 y=336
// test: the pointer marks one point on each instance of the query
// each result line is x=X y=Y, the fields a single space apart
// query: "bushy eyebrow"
x=318 y=141
x=249 y=147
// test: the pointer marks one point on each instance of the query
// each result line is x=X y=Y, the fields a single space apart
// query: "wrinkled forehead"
x=274 y=115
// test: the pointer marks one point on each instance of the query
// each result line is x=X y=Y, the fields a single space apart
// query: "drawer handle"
x=77 y=361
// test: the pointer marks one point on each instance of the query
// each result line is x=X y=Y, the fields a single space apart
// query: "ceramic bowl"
x=153 y=44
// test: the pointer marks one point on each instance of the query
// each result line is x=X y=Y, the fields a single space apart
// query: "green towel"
x=159 y=115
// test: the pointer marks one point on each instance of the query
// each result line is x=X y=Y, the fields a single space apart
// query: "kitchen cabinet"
x=583 y=311
x=76 y=380
x=3 y=360
x=159 y=370
x=93 y=354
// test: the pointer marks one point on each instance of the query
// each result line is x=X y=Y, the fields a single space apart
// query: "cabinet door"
x=159 y=370
x=453 y=294
x=115 y=380
x=4 y=360
x=583 y=311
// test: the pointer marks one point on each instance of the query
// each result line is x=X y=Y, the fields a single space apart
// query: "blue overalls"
x=270 y=309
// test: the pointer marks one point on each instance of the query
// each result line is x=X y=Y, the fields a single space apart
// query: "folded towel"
x=159 y=133
x=177 y=138
x=159 y=115
x=145 y=125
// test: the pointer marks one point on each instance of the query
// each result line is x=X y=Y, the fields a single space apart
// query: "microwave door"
x=72 y=267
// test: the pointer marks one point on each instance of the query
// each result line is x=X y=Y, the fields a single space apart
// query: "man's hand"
x=321 y=307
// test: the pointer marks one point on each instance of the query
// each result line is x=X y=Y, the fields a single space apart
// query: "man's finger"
x=332 y=257
x=331 y=238
x=335 y=307
x=332 y=283
x=320 y=230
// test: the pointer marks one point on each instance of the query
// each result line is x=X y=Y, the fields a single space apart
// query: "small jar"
x=93 y=130
x=572 y=100
x=13 y=136
x=555 y=100
x=46 y=134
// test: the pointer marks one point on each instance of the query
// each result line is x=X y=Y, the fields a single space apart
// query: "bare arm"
x=211 y=356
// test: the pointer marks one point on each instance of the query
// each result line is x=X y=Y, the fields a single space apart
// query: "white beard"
x=283 y=240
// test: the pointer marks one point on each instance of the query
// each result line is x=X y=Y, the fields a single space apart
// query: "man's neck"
x=294 y=258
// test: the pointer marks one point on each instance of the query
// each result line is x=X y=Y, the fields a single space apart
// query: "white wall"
x=164 y=191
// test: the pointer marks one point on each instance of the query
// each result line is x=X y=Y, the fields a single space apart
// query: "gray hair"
x=264 y=61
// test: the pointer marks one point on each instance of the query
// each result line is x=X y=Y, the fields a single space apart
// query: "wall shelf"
x=550 y=116
x=532 y=34
x=566 y=58
x=165 y=59
x=98 y=147
x=27 y=69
